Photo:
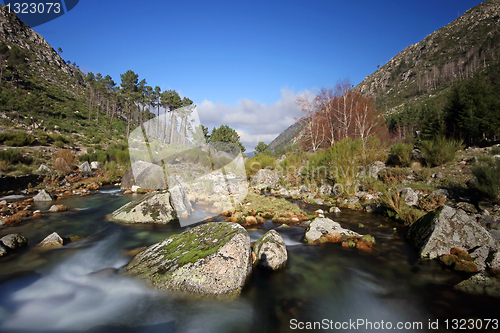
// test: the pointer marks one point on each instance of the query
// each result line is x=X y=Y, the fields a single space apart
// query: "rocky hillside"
x=469 y=44
x=43 y=61
x=287 y=138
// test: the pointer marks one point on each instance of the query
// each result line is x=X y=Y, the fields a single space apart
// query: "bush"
x=401 y=154
x=90 y=150
x=391 y=175
x=11 y=156
x=257 y=162
x=423 y=174
x=59 y=144
x=440 y=151
x=17 y=139
x=395 y=207
x=431 y=202
x=495 y=150
x=123 y=157
x=64 y=160
x=43 y=138
x=487 y=178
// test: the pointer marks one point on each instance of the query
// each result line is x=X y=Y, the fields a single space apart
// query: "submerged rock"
x=42 y=196
x=270 y=250
x=322 y=226
x=154 y=207
x=437 y=232
x=213 y=258
x=480 y=284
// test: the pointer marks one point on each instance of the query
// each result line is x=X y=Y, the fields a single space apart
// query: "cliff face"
x=465 y=46
x=44 y=61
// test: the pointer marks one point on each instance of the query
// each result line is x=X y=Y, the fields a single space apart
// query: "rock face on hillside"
x=213 y=258
x=445 y=228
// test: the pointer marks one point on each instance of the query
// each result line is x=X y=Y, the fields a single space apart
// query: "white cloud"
x=253 y=121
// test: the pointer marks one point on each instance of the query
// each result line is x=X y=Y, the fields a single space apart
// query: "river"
x=55 y=290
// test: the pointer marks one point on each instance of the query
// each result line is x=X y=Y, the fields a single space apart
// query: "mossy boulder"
x=154 y=207
x=480 y=284
x=270 y=250
x=211 y=259
x=437 y=232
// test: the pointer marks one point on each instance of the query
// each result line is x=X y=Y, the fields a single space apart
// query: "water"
x=74 y=288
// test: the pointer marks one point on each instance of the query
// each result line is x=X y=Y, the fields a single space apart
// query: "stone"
x=467 y=207
x=180 y=201
x=58 y=208
x=265 y=177
x=42 y=196
x=326 y=189
x=495 y=234
x=480 y=284
x=214 y=258
x=409 y=195
x=438 y=175
x=144 y=174
x=334 y=209
x=52 y=240
x=375 y=168
x=270 y=250
x=441 y=191
x=85 y=167
x=417 y=155
x=94 y=165
x=14 y=241
x=322 y=226
x=43 y=169
x=153 y=207
x=134 y=188
x=437 y=232
x=3 y=250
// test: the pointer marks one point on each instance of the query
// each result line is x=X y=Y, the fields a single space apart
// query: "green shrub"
x=98 y=147
x=43 y=138
x=495 y=150
x=59 y=144
x=17 y=139
x=123 y=157
x=487 y=178
x=423 y=174
x=440 y=150
x=11 y=156
x=401 y=154
x=391 y=175
x=90 y=150
x=257 y=162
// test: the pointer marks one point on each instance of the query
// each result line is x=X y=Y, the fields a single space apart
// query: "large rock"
x=270 y=250
x=213 y=258
x=437 y=232
x=43 y=169
x=179 y=199
x=145 y=175
x=42 y=196
x=85 y=167
x=14 y=241
x=154 y=207
x=52 y=240
x=409 y=195
x=322 y=226
x=375 y=168
x=264 y=178
x=95 y=165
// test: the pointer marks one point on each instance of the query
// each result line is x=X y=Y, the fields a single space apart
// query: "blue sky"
x=244 y=62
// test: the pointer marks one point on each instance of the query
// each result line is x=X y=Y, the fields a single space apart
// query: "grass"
x=440 y=151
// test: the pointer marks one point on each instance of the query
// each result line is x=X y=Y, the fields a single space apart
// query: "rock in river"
x=437 y=232
x=14 y=241
x=154 y=207
x=270 y=250
x=42 y=196
x=211 y=259
x=323 y=226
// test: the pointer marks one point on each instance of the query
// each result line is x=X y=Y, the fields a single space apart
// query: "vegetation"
x=487 y=179
x=401 y=154
x=226 y=139
x=440 y=150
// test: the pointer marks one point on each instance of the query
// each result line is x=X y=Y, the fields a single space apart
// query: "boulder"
x=43 y=169
x=3 y=250
x=52 y=240
x=375 y=168
x=14 y=241
x=409 y=195
x=334 y=209
x=480 y=284
x=85 y=167
x=322 y=226
x=264 y=178
x=58 y=208
x=212 y=259
x=145 y=175
x=180 y=201
x=42 y=196
x=94 y=165
x=153 y=207
x=437 y=232
x=270 y=250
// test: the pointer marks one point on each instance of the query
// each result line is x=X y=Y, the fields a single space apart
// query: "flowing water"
x=67 y=290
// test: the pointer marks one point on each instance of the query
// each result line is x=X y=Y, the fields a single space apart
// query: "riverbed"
x=324 y=286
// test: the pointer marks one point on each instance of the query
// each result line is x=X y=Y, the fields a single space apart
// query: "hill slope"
x=469 y=44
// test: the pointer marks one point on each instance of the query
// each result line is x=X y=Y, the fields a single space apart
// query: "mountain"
x=287 y=139
x=459 y=50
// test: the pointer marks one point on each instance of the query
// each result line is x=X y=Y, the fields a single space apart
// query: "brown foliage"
x=64 y=160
